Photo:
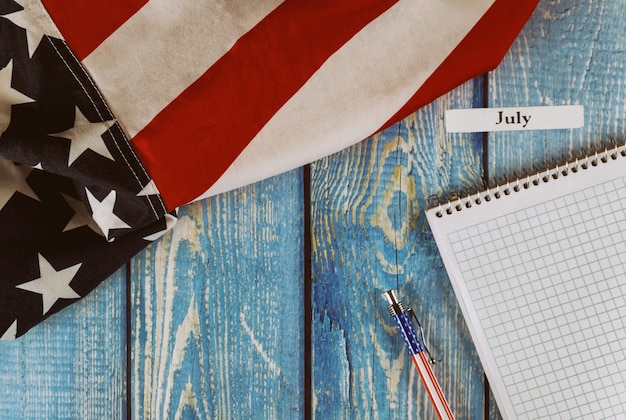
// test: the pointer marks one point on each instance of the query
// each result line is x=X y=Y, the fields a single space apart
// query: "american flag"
x=115 y=113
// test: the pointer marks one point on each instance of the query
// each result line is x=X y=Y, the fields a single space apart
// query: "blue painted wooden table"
x=266 y=302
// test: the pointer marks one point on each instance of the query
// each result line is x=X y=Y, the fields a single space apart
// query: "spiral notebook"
x=539 y=269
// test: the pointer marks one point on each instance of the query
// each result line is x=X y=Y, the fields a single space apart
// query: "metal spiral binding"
x=506 y=187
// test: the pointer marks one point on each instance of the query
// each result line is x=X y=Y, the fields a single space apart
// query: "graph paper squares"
x=549 y=284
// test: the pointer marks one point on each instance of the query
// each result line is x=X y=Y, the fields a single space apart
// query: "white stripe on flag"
x=358 y=89
x=162 y=49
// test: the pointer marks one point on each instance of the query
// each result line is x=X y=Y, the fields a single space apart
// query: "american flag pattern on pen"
x=113 y=114
x=432 y=386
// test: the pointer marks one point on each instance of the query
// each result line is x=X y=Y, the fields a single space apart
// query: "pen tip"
x=391 y=297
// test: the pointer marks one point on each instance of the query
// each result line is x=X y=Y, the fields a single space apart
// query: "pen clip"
x=422 y=337
x=396 y=307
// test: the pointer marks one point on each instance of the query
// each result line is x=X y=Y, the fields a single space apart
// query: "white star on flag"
x=9 y=96
x=81 y=217
x=34 y=33
x=102 y=212
x=86 y=135
x=149 y=189
x=14 y=180
x=52 y=285
x=11 y=332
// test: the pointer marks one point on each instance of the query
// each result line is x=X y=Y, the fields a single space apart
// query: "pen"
x=417 y=352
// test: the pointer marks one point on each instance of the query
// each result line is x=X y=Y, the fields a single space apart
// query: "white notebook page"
x=540 y=276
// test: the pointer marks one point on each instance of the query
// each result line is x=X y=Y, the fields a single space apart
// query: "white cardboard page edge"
x=514 y=118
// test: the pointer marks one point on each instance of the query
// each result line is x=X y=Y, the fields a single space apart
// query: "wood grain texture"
x=570 y=52
x=217 y=316
x=217 y=309
x=72 y=366
x=369 y=234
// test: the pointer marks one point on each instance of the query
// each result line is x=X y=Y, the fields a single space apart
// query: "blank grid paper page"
x=548 y=286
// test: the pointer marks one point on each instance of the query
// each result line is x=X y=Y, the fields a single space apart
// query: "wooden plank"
x=217 y=309
x=73 y=365
x=370 y=234
x=569 y=53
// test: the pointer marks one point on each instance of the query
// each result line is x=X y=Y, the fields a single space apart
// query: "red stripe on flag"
x=190 y=143
x=498 y=27
x=86 y=23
